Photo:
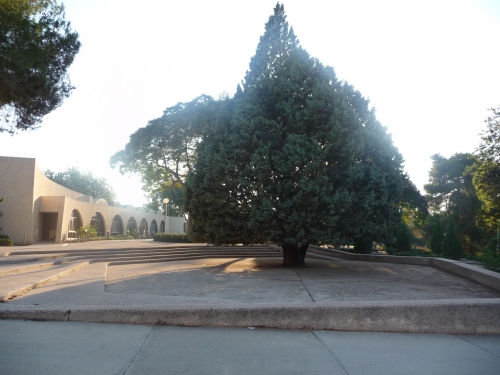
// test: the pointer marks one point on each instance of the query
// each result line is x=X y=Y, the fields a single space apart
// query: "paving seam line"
x=138 y=351
x=23 y=290
x=329 y=351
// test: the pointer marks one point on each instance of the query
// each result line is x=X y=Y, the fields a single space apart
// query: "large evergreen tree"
x=37 y=46
x=296 y=157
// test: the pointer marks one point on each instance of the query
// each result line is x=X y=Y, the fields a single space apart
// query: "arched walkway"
x=143 y=227
x=162 y=227
x=116 y=226
x=75 y=222
x=97 y=222
x=154 y=227
x=131 y=225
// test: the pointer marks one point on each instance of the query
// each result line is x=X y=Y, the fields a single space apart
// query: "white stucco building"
x=37 y=209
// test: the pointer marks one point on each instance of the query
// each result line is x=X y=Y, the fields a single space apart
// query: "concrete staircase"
x=23 y=271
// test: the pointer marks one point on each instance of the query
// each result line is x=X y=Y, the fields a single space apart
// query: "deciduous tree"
x=84 y=183
x=163 y=152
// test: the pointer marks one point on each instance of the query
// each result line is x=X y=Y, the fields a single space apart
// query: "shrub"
x=91 y=232
x=363 y=246
x=6 y=242
x=451 y=245
x=403 y=238
x=171 y=237
x=437 y=238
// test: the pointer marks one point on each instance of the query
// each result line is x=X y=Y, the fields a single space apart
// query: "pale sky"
x=431 y=68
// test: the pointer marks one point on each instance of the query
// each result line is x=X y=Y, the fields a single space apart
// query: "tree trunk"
x=293 y=255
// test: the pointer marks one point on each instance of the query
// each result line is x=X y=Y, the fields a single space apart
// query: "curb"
x=450 y=317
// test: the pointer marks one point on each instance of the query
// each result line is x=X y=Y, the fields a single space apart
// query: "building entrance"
x=49 y=226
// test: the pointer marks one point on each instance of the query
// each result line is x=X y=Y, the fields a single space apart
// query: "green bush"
x=6 y=242
x=490 y=260
x=451 y=245
x=4 y=236
x=171 y=237
x=91 y=232
x=363 y=246
x=403 y=238
x=437 y=238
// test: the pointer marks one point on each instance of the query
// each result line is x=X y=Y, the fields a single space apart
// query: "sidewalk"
x=61 y=348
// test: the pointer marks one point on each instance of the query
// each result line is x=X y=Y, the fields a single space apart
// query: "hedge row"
x=171 y=237
x=6 y=242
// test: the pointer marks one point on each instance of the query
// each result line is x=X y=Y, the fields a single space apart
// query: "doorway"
x=49 y=226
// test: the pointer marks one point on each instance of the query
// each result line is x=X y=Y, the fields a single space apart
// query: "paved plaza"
x=231 y=305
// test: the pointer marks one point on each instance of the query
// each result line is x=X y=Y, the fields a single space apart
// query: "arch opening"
x=116 y=226
x=97 y=222
x=75 y=223
x=131 y=225
x=154 y=227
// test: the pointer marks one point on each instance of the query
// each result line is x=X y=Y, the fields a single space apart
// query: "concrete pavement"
x=55 y=348
x=330 y=293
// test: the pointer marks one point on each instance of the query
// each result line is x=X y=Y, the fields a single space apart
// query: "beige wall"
x=28 y=194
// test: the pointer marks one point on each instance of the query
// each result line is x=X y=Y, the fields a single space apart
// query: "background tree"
x=486 y=170
x=37 y=46
x=296 y=157
x=437 y=238
x=163 y=152
x=451 y=246
x=84 y=183
x=450 y=191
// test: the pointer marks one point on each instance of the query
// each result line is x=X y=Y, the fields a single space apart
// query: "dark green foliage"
x=437 y=238
x=451 y=246
x=363 y=246
x=84 y=183
x=490 y=259
x=171 y=237
x=486 y=171
x=450 y=190
x=296 y=157
x=37 y=46
x=413 y=204
x=6 y=242
x=403 y=238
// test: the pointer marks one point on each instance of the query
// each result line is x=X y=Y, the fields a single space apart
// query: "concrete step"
x=16 y=268
x=17 y=259
x=167 y=254
x=115 y=262
x=144 y=249
x=15 y=285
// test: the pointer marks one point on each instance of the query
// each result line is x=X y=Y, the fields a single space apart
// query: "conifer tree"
x=452 y=247
x=437 y=238
x=295 y=158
